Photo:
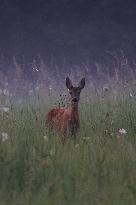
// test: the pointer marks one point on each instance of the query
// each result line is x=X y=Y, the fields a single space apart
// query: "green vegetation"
x=97 y=168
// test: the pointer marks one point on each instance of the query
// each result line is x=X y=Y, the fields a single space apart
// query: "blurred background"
x=43 y=40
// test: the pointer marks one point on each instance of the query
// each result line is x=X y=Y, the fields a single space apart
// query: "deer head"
x=75 y=91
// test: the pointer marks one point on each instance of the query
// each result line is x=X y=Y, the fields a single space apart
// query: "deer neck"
x=74 y=110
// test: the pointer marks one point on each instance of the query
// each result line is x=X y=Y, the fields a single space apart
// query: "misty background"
x=43 y=39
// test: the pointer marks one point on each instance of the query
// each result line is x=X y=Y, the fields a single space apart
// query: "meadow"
x=99 y=167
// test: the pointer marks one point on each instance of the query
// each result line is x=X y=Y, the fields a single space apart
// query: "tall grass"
x=96 y=168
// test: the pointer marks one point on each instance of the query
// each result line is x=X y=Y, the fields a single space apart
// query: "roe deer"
x=66 y=120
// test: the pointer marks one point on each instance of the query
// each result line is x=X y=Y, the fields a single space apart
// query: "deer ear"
x=82 y=83
x=68 y=83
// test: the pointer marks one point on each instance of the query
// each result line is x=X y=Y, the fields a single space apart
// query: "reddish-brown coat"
x=64 y=121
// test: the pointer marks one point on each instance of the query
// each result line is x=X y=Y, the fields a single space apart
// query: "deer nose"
x=74 y=100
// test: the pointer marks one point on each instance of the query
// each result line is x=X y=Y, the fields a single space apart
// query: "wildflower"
x=37 y=88
x=50 y=88
x=45 y=138
x=122 y=131
x=52 y=152
x=4 y=136
x=6 y=92
x=131 y=95
x=112 y=122
x=77 y=145
x=5 y=109
x=106 y=89
x=36 y=69
x=112 y=134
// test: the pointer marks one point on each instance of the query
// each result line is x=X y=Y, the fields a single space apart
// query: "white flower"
x=37 y=88
x=112 y=122
x=45 y=138
x=4 y=136
x=4 y=109
x=122 y=131
x=106 y=89
x=34 y=68
x=50 y=88
x=6 y=92
x=131 y=95
x=77 y=145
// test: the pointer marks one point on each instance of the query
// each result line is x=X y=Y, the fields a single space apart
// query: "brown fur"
x=66 y=121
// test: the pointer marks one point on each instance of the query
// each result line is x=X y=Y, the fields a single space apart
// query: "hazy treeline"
x=43 y=41
x=67 y=29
